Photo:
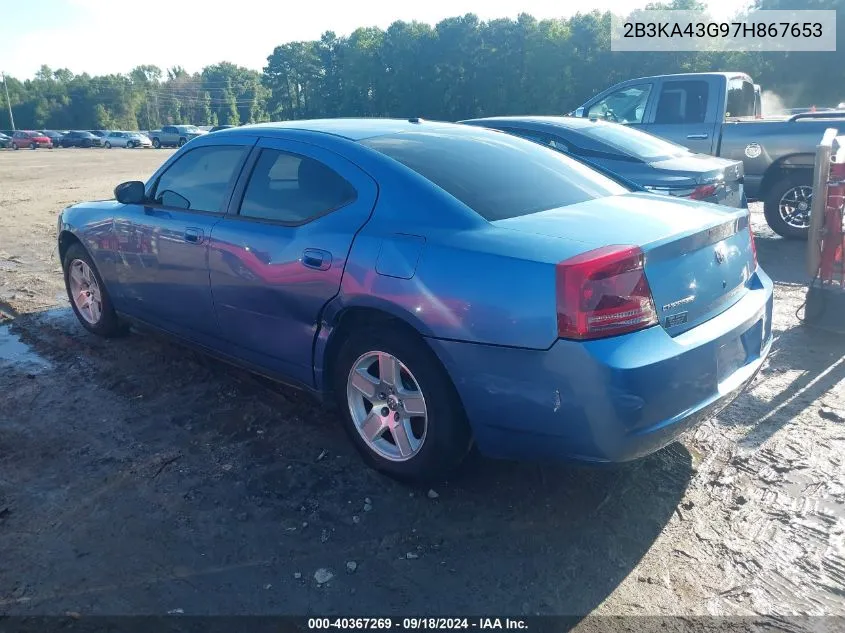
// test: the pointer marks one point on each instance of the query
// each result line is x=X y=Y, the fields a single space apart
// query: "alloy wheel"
x=795 y=205
x=85 y=291
x=387 y=406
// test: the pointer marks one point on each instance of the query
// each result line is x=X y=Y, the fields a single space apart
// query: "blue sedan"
x=444 y=284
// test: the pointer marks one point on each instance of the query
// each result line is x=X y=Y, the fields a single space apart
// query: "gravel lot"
x=138 y=477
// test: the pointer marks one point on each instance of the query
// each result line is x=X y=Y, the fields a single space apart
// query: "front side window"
x=200 y=179
x=626 y=105
x=682 y=102
x=293 y=189
x=496 y=175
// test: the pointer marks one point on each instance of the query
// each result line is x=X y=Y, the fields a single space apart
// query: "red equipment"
x=825 y=305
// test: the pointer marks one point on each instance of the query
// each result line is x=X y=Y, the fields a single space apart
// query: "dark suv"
x=77 y=138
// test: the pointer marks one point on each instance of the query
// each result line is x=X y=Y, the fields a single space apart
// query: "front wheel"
x=108 y=145
x=182 y=141
x=399 y=405
x=130 y=144
x=156 y=143
x=88 y=295
x=788 y=204
x=15 y=146
x=33 y=145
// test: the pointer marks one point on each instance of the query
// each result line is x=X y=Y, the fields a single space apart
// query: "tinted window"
x=199 y=179
x=293 y=189
x=682 y=102
x=497 y=175
x=626 y=105
x=741 y=98
x=631 y=142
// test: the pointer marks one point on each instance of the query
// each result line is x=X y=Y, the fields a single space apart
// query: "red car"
x=33 y=140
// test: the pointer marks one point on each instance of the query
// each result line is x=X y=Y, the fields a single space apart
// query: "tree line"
x=459 y=68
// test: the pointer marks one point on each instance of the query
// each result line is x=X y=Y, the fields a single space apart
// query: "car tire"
x=794 y=187
x=156 y=143
x=15 y=146
x=130 y=144
x=104 y=321
x=438 y=442
x=182 y=141
x=33 y=145
x=108 y=145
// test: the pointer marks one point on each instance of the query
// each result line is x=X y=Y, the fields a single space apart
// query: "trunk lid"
x=722 y=178
x=698 y=257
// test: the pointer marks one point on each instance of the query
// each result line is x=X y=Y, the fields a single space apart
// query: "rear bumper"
x=611 y=400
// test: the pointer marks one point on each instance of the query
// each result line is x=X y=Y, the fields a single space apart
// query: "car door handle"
x=697 y=137
x=194 y=236
x=316 y=258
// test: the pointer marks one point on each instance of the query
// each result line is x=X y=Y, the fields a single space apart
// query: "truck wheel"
x=156 y=143
x=787 y=206
x=182 y=141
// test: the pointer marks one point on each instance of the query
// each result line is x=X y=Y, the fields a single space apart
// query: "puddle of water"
x=15 y=352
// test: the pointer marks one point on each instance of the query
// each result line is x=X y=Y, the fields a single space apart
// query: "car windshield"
x=632 y=142
x=190 y=128
x=496 y=175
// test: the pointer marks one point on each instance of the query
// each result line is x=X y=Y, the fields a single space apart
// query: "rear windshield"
x=496 y=175
x=631 y=142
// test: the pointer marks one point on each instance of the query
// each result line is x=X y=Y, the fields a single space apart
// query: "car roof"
x=567 y=122
x=352 y=129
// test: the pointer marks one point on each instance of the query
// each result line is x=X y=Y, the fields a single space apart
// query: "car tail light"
x=602 y=293
x=753 y=242
x=702 y=191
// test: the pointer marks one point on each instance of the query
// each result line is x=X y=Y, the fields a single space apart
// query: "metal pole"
x=8 y=103
x=821 y=173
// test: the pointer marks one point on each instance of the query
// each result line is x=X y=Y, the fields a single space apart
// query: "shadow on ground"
x=141 y=478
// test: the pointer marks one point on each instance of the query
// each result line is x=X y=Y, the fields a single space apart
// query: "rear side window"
x=293 y=189
x=200 y=179
x=741 y=98
x=496 y=175
x=682 y=102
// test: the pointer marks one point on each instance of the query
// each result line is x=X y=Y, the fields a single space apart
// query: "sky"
x=113 y=36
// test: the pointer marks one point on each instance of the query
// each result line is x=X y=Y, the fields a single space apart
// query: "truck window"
x=741 y=98
x=626 y=105
x=682 y=102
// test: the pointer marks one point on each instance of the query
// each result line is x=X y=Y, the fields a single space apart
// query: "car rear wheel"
x=156 y=143
x=88 y=295
x=15 y=146
x=182 y=141
x=399 y=406
x=33 y=145
x=108 y=145
x=788 y=204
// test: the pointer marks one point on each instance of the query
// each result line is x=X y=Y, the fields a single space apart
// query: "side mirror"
x=131 y=192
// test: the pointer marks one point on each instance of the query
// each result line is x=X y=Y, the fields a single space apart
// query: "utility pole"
x=8 y=103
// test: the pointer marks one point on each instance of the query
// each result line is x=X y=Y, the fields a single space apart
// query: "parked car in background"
x=126 y=139
x=81 y=138
x=31 y=139
x=446 y=284
x=217 y=128
x=174 y=135
x=646 y=160
x=100 y=133
x=716 y=113
x=53 y=135
x=5 y=141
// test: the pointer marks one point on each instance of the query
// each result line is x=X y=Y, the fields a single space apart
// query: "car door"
x=163 y=244
x=278 y=256
x=685 y=112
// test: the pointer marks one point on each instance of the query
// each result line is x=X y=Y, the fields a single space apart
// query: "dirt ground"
x=140 y=478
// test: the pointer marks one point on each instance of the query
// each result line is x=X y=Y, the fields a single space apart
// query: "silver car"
x=126 y=139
